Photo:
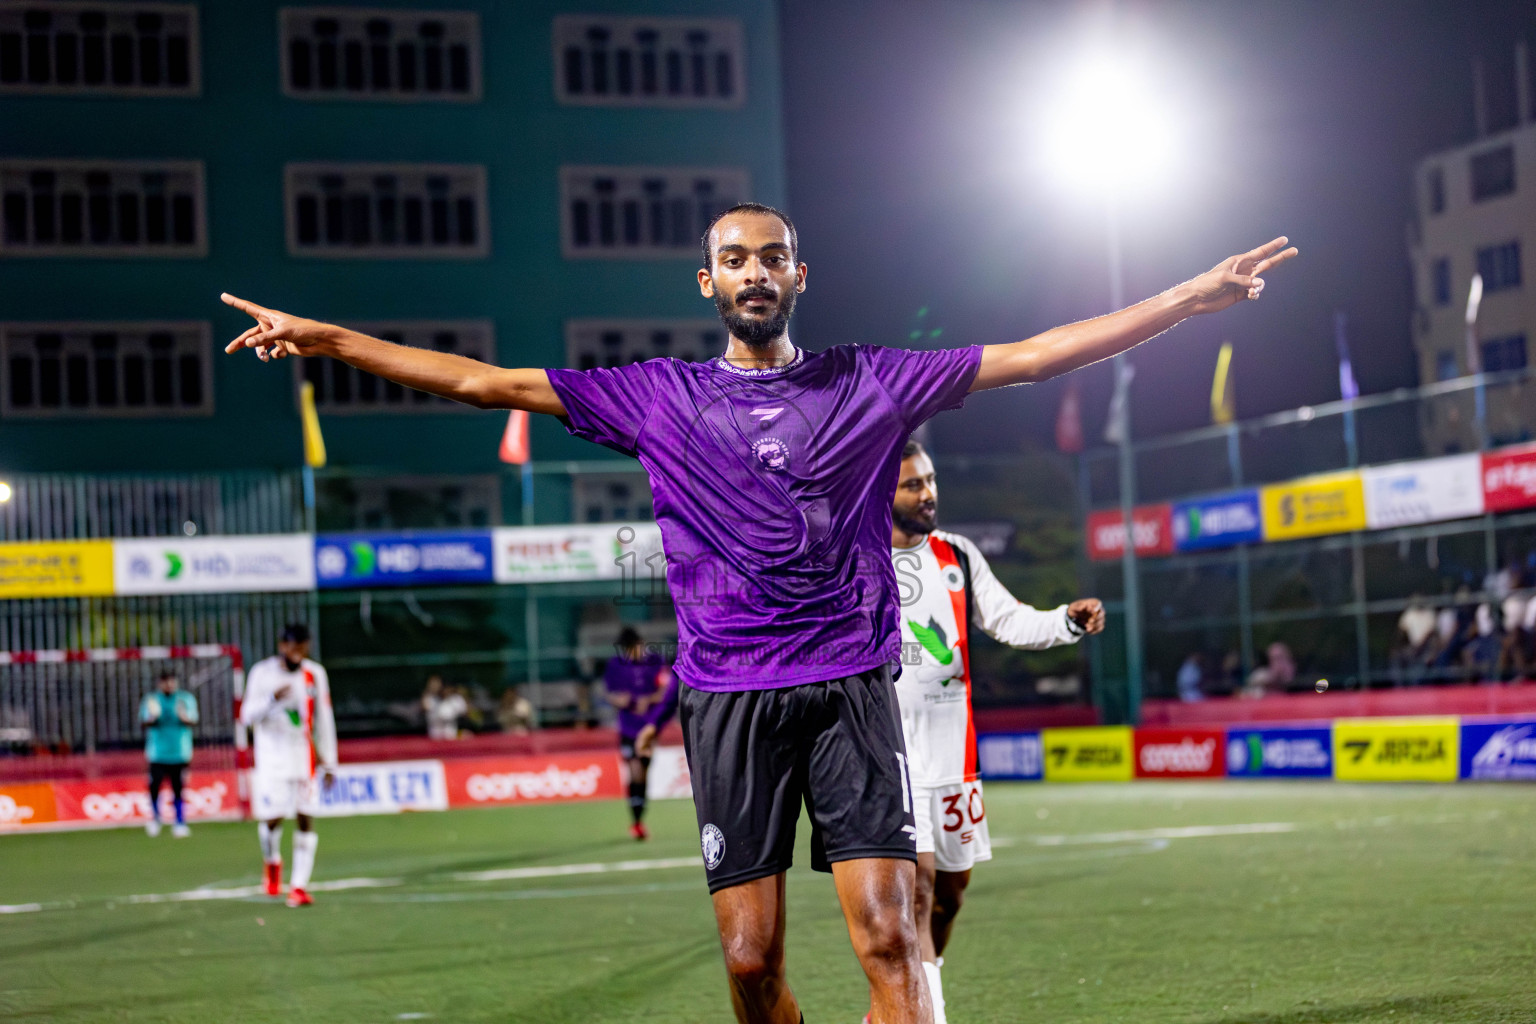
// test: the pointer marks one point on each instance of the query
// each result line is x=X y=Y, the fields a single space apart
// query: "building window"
x=593 y=343
x=98 y=48
x=1436 y=182
x=1500 y=266
x=387 y=211
x=118 y=208
x=1504 y=353
x=1445 y=366
x=101 y=369
x=364 y=53
x=1493 y=173
x=648 y=62
x=638 y=212
x=340 y=388
x=1442 y=273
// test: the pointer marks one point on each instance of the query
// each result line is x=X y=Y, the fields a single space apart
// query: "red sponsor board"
x=1509 y=478
x=124 y=799
x=477 y=782
x=1153 y=525
x=28 y=803
x=1180 y=753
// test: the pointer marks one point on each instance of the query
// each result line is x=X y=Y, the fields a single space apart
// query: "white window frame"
x=201 y=337
x=738 y=182
x=294 y=172
x=194 y=86
x=141 y=250
x=412 y=332
x=394 y=94
x=569 y=28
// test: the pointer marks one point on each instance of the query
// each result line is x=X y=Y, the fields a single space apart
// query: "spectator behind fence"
x=1191 y=676
x=444 y=706
x=1512 y=650
x=514 y=713
x=1480 y=651
x=1414 y=646
x=1274 y=677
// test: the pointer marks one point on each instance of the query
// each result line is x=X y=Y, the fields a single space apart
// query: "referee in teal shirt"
x=168 y=715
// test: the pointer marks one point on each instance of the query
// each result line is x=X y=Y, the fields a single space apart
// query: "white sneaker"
x=180 y=831
x=152 y=827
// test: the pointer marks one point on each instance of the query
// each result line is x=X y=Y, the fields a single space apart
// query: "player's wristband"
x=1073 y=627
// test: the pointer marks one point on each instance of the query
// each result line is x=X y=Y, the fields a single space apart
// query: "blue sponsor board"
x=403 y=559
x=1498 y=748
x=1305 y=752
x=1218 y=522
x=1010 y=755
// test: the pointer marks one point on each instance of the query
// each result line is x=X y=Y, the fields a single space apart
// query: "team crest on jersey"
x=954 y=579
x=712 y=842
x=772 y=452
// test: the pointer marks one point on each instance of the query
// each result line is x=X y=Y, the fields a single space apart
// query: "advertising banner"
x=385 y=787
x=481 y=781
x=69 y=568
x=213 y=565
x=1099 y=753
x=1010 y=755
x=1494 y=748
x=403 y=559
x=1219 y=522
x=1152 y=523
x=1427 y=491
x=1509 y=478
x=1299 y=752
x=124 y=800
x=1396 y=749
x=557 y=554
x=667 y=778
x=27 y=803
x=1313 y=506
x=1180 y=753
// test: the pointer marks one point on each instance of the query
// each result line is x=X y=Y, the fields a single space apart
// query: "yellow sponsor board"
x=66 y=568
x=1396 y=749
x=1313 y=506
x=1100 y=753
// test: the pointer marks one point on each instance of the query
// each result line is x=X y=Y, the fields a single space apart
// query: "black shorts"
x=627 y=750
x=755 y=754
x=163 y=774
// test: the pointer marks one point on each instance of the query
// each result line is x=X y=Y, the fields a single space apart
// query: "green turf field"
x=1294 y=903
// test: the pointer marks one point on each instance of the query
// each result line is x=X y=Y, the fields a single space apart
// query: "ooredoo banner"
x=1298 y=752
x=124 y=799
x=210 y=565
x=1153 y=525
x=1180 y=754
x=1509 y=478
x=1427 y=491
x=477 y=782
x=1010 y=755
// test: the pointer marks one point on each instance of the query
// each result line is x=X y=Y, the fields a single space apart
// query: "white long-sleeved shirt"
x=291 y=733
x=934 y=689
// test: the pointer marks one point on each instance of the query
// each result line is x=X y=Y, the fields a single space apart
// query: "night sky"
x=911 y=182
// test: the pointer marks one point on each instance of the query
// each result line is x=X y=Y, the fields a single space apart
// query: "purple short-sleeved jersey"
x=773 y=492
x=637 y=679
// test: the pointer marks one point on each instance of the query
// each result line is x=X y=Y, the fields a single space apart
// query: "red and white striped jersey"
x=294 y=732
x=934 y=689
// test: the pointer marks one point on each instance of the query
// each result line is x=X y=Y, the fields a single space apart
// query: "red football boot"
x=299 y=898
x=638 y=831
x=275 y=879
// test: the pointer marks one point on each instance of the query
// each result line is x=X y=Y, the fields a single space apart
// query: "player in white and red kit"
x=287 y=706
x=946 y=587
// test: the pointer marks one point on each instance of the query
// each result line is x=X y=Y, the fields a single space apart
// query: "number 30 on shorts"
x=973 y=807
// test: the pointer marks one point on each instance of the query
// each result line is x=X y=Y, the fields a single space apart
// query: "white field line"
x=1188 y=832
x=561 y=870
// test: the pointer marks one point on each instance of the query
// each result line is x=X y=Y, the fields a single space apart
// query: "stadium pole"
x=1130 y=571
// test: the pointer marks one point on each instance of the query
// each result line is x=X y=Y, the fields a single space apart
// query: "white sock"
x=935 y=991
x=304 y=844
x=271 y=842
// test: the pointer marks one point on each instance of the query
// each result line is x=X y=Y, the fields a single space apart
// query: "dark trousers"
x=160 y=774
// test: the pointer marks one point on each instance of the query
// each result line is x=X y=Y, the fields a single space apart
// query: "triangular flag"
x=314 y=444
x=1069 y=420
x=1223 y=401
x=1348 y=388
x=1117 y=428
x=1474 y=302
x=514 y=441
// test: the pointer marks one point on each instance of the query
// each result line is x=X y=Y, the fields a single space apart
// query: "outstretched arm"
x=1063 y=349
x=277 y=335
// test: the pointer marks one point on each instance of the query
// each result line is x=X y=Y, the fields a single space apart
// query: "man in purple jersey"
x=639 y=685
x=773 y=472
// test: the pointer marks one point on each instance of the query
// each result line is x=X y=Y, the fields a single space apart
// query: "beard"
x=920 y=519
x=751 y=330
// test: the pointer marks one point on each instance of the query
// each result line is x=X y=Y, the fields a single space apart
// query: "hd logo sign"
x=1097 y=754
x=1396 y=749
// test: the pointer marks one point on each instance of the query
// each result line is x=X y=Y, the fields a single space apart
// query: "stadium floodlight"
x=1110 y=130
x=5 y=492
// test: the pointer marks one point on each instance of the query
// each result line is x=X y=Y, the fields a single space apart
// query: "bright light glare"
x=5 y=492
x=1108 y=131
